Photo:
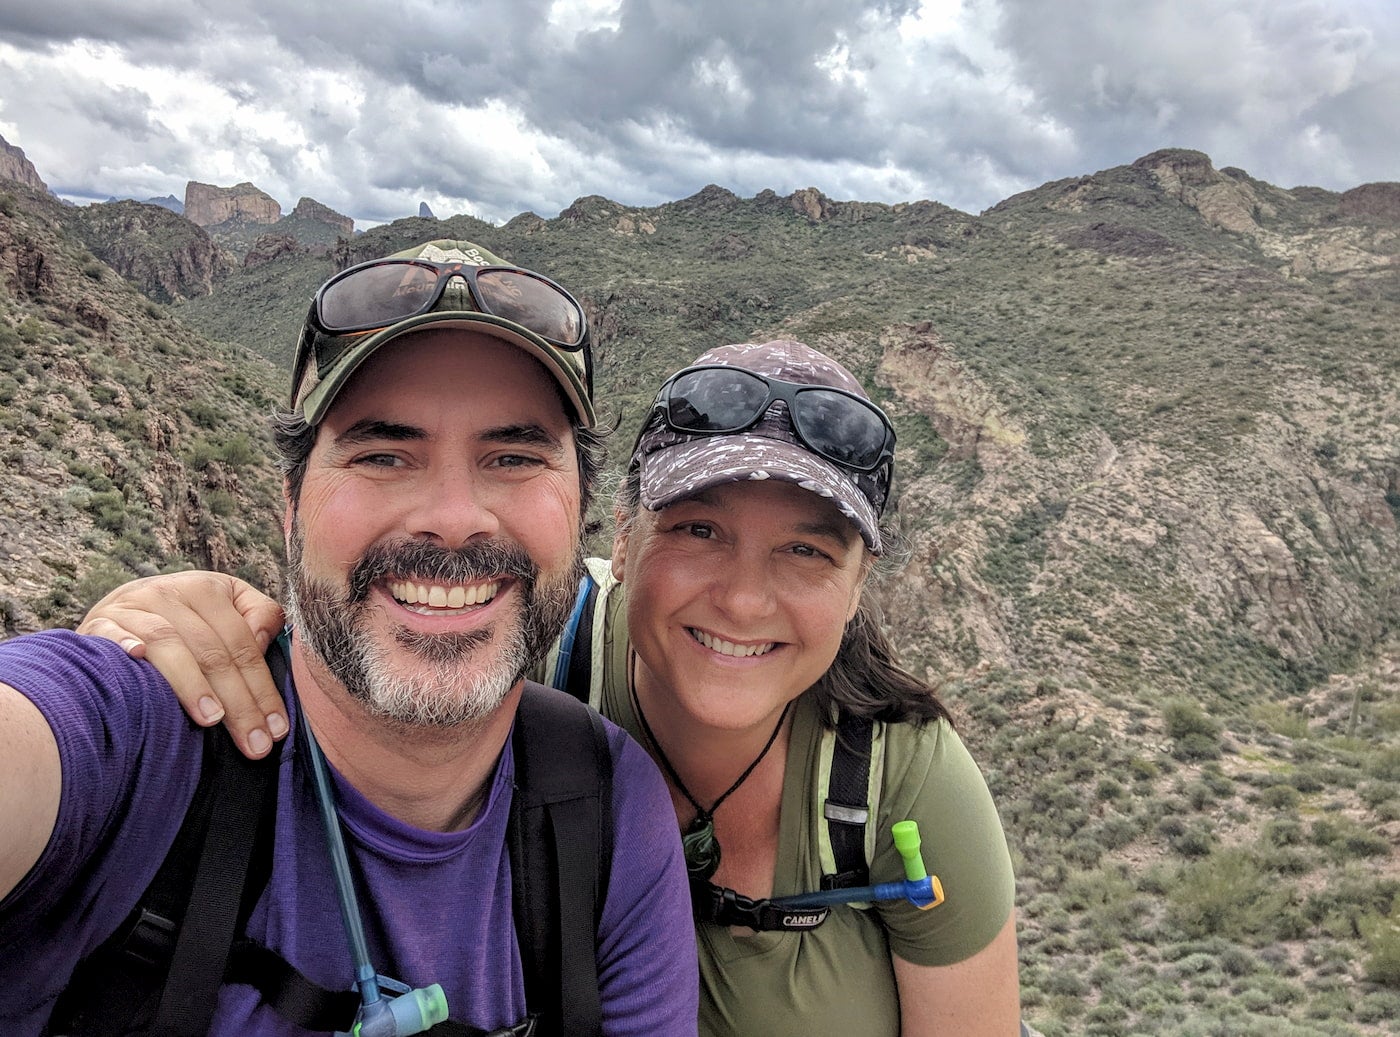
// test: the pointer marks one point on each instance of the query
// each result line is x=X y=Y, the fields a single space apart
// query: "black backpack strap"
x=162 y=968
x=847 y=804
x=561 y=832
x=573 y=670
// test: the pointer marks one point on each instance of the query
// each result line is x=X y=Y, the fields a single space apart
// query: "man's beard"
x=452 y=689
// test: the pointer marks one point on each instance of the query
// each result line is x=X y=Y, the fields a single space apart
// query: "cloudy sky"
x=495 y=107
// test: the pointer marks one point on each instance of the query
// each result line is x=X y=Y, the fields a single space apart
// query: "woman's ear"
x=867 y=564
x=619 y=549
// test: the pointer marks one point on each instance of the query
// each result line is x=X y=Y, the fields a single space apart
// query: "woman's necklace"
x=698 y=840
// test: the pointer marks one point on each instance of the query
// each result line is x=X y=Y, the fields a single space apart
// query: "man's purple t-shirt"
x=436 y=906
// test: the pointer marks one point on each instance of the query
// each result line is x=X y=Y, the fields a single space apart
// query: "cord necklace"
x=698 y=839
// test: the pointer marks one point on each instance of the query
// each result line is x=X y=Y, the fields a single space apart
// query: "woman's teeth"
x=723 y=647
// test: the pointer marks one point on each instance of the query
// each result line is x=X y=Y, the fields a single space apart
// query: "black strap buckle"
x=725 y=906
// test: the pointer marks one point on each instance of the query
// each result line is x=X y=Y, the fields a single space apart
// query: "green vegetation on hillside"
x=1148 y=477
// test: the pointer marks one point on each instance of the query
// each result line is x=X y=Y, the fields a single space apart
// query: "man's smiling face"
x=435 y=547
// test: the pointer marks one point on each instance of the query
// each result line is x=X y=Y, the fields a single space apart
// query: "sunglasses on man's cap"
x=351 y=310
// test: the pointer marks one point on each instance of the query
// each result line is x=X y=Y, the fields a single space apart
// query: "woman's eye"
x=808 y=551
x=700 y=530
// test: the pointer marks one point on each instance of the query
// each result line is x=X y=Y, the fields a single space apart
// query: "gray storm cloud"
x=501 y=106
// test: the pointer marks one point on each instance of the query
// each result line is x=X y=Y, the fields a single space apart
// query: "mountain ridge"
x=1148 y=479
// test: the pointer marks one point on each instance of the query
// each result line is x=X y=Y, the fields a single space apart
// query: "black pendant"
x=701 y=848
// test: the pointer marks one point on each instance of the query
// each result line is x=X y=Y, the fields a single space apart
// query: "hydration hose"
x=803 y=911
x=920 y=888
x=407 y=1011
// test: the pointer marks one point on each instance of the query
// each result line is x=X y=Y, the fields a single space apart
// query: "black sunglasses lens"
x=375 y=296
x=840 y=428
x=715 y=401
x=532 y=303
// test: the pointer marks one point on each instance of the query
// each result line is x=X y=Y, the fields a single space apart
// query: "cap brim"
x=676 y=472
x=559 y=363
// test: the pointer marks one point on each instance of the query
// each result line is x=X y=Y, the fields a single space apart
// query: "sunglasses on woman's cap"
x=838 y=425
x=453 y=283
x=715 y=423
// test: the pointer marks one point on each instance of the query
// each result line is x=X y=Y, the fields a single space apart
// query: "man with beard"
x=438 y=457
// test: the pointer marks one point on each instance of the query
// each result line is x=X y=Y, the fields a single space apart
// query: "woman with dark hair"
x=729 y=635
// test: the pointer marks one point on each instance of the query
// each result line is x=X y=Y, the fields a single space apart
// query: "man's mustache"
x=429 y=563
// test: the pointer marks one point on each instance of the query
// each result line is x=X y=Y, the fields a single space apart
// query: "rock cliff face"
x=14 y=166
x=269 y=247
x=167 y=256
x=1374 y=200
x=209 y=206
x=310 y=209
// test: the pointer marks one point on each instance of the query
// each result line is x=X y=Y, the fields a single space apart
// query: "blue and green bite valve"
x=920 y=888
x=413 y=1011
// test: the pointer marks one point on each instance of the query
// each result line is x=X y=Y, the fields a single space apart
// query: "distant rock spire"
x=424 y=213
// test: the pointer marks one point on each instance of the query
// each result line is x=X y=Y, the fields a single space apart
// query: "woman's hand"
x=206 y=633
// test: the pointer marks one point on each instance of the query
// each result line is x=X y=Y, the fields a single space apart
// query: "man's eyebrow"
x=371 y=429
x=523 y=435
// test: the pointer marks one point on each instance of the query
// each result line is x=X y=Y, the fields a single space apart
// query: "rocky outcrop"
x=1189 y=177
x=165 y=255
x=269 y=247
x=310 y=209
x=592 y=208
x=15 y=166
x=25 y=269
x=209 y=206
x=1376 y=201
x=424 y=213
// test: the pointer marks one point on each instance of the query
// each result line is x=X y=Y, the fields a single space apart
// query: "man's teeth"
x=439 y=597
x=715 y=644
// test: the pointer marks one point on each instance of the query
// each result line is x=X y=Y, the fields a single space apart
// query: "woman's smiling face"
x=737 y=598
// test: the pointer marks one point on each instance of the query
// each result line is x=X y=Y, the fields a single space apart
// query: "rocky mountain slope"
x=1149 y=477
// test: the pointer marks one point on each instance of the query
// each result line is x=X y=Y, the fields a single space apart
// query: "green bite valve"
x=409 y=1013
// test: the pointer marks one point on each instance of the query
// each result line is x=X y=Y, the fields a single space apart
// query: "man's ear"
x=288 y=514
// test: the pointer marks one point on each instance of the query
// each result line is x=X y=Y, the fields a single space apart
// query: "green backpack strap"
x=845 y=802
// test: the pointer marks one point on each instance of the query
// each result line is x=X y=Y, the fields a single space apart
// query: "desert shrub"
x=1280 y=797
x=1229 y=895
x=1381 y=935
x=1345 y=838
x=1197 y=736
x=103 y=575
x=108 y=510
x=1384 y=765
x=1194 y=840
x=29 y=331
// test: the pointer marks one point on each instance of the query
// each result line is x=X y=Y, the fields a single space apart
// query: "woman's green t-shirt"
x=838 y=979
